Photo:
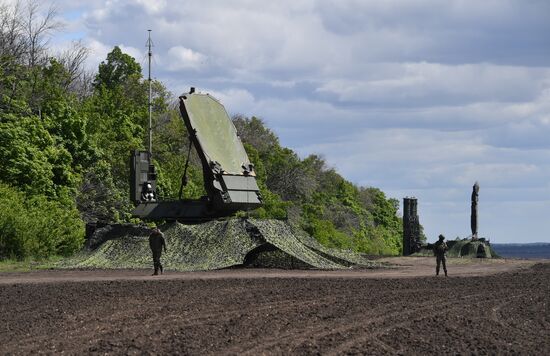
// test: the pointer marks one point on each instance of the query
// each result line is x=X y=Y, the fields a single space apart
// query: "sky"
x=418 y=98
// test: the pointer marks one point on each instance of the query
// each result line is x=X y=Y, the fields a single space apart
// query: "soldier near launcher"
x=157 y=243
x=440 y=252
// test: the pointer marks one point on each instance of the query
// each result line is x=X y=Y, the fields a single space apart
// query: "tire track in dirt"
x=365 y=323
x=123 y=317
x=495 y=310
x=371 y=329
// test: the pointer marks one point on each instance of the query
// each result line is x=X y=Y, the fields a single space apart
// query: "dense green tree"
x=254 y=132
x=118 y=69
x=13 y=80
x=35 y=226
x=26 y=154
x=45 y=148
x=117 y=120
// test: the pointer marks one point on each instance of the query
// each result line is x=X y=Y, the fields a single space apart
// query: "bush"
x=37 y=227
x=378 y=240
x=327 y=235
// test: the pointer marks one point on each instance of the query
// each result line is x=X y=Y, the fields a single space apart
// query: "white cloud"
x=235 y=101
x=152 y=7
x=420 y=158
x=98 y=53
x=423 y=83
x=138 y=55
x=180 y=58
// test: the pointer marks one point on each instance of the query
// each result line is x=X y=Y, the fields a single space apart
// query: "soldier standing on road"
x=156 y=243
x=440 y=252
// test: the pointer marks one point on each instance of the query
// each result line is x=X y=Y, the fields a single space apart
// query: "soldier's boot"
x=160 y=266
x=445 y=273
x=156 y=272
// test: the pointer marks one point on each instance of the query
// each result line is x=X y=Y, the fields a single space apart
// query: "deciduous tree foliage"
x=119 y=69
x=33 y=225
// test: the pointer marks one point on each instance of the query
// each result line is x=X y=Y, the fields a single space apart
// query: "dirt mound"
x=213 y=245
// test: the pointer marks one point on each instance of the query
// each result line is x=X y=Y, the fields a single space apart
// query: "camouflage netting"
x=342 y=257
x=463 y=248
x=213 y=245
x=472 y=249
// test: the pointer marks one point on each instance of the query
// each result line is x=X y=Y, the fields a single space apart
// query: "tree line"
x=66 y=135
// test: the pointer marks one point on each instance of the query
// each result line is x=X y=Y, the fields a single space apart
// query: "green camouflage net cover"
x=212 y=245
x=219 y=244
x=463 y=248
x=470 y=249
x=346 y=257
x=297 y=242
x=280 y=235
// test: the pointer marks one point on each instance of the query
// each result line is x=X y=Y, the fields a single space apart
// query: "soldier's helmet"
x=441 y=237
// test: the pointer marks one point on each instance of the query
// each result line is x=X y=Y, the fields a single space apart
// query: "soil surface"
x=483 y=307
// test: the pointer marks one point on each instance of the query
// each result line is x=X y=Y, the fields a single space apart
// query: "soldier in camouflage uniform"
x=440 y=252
x=156 y=243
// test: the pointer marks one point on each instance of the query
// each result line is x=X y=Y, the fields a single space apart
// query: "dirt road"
x=503 y=308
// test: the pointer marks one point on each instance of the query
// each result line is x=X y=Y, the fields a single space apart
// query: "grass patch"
x=29 y=264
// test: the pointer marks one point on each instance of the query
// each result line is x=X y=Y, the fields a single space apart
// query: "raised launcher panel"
x=411 y=226
x=229 y=176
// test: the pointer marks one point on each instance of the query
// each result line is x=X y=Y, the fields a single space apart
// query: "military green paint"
x=216 y=133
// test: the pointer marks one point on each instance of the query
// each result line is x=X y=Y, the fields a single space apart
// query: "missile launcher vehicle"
x=229 y=176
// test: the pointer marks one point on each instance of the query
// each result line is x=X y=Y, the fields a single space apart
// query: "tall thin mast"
x=149 y=45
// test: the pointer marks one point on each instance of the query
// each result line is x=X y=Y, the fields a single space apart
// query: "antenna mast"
x=149 y=45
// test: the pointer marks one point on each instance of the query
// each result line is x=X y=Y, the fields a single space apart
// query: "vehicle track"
x=363 y=327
